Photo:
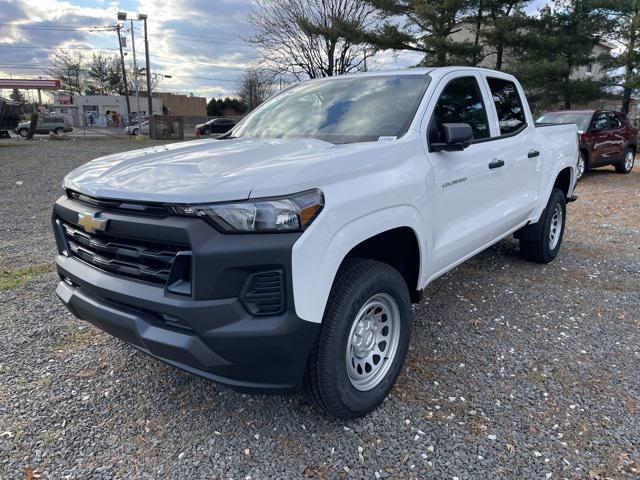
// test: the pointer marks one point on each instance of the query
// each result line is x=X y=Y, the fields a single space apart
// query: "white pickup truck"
x=285 y=256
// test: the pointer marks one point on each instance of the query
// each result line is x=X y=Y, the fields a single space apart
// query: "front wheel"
x=626 y=165
x=135 y=132
x=581 y=166
x=363 y=340
x=23 y=132
x=541 y=241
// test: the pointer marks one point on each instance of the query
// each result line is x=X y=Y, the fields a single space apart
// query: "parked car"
x=44 y=126
x=606 y=138
x=136 y=129
x=215 y=126
x=286 y=256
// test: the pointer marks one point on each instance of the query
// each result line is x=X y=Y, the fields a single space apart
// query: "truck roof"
x=440 y=71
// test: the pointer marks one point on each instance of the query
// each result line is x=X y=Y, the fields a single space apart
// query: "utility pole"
x=143 y=17
x=124 y=70
x=135 y=75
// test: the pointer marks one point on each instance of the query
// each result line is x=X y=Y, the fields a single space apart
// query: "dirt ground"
x=516 y=370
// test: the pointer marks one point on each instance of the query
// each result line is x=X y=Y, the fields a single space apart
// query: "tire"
x=582 y=166
x=135 y=132
x=59 y=131
x=537 y=243
x=626 y=164
x=23 y=132
x=332 y=381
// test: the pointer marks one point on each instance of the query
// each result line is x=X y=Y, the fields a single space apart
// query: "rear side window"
x=508 y=105
x=461 y=102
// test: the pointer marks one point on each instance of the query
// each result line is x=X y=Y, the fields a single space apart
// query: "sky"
x=198 y=42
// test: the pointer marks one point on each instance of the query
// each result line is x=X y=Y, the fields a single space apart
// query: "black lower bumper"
x=211 y=332
x=262 y=355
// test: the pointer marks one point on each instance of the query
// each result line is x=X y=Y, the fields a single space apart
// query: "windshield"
x=345 y=110
x=580 y=119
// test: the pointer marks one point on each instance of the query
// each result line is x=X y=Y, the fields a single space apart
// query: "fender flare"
x=313 y=274
x=546 y=193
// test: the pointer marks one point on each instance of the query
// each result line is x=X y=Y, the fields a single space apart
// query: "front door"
x=467 y=197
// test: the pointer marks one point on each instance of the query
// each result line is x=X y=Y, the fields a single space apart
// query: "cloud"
x=198 y=42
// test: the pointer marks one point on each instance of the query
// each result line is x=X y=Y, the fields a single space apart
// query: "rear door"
x=599 y=139
x=518 y=145
x=467 y=199
x=617 y=135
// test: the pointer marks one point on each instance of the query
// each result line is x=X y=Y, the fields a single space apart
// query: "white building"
x=99 y=109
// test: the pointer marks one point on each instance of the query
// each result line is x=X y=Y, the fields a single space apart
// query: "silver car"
x=44 y=126
x=136 y=129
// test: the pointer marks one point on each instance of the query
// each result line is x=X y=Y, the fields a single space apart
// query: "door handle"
x=533 y=154
x=496 y=163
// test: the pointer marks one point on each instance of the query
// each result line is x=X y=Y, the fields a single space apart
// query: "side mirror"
x=454 y=136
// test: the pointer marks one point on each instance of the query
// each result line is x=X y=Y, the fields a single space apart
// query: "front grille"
x=146 y=260
x=120 y=205
x=263 y=293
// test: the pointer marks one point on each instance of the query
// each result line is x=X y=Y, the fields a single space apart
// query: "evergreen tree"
x=17 y=96
x=623 y=68
x=550 y=48
x=421 y=26
x=226 y=106
x=497 y=23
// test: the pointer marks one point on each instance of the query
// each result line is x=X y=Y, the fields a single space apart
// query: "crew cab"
x=606 y=138
x=285 y=256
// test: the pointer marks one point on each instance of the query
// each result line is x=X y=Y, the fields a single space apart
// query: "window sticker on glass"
x=387 y=138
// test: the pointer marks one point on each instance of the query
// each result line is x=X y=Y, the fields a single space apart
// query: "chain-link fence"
x=168 y=127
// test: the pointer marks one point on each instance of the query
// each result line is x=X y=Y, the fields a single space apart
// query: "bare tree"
x=303 y=38
x=70 y=69
x=254 y=88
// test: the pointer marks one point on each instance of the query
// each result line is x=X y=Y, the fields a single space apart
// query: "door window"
x=461 y=102
x=600 y=123
x=614 y=121
x=508 y=105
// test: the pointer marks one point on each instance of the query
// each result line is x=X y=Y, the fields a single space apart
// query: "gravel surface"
x=516 y=370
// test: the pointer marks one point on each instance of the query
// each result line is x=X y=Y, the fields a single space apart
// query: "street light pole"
x=135 y=75
x=124 y=70
x=143 y=17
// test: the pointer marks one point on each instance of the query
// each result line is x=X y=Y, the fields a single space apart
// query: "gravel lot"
x=516 y=370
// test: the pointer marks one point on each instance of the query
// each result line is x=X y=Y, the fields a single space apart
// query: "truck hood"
x=189 y=172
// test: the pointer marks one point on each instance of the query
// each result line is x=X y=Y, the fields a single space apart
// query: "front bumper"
x=209 y=332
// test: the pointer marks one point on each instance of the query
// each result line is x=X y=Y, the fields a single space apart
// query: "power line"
x=32 y=67
x=35 y=47
x=106 y=28
x=171 y=59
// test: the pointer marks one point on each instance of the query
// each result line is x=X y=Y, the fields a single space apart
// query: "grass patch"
x=16 y=278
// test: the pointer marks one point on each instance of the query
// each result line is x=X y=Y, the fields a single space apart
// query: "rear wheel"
x=23 y=132
x=626 y=164
x=59 y=131
x=363 y=340
x=541 y=241
x=135 y=132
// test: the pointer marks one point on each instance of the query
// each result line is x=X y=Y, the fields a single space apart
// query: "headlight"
x=292 y=213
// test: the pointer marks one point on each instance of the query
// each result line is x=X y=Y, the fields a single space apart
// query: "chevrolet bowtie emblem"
x=91 y=223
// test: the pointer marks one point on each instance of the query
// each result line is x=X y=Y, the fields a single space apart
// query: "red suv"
x=606 y=138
